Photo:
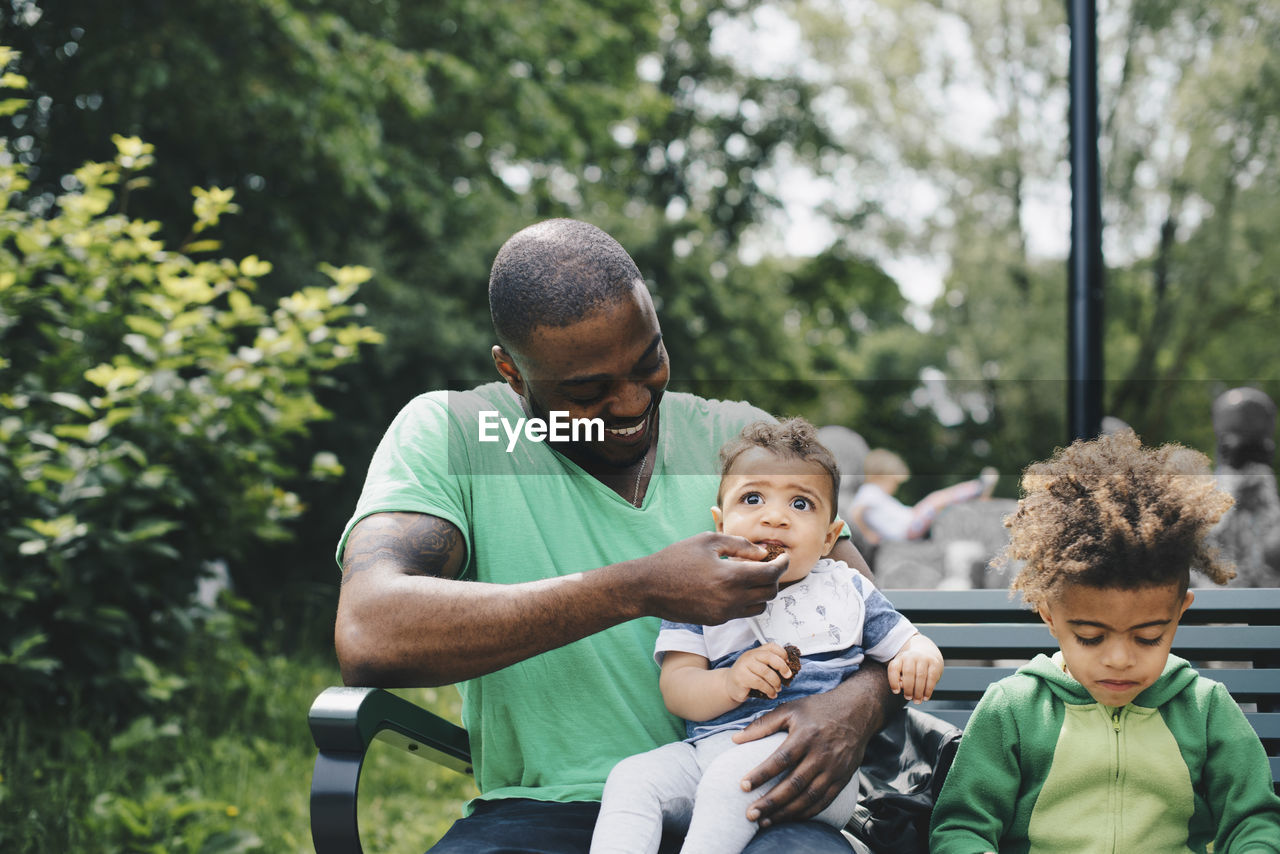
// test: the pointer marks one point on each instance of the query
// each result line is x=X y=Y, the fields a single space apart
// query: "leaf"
x=74 y=402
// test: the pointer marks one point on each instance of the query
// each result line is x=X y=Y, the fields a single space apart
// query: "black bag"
x=899 y=781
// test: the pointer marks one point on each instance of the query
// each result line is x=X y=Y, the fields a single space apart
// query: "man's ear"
x=508 y=369
x=718 y=515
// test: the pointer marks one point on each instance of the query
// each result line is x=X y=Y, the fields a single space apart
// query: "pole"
x=1084 y=311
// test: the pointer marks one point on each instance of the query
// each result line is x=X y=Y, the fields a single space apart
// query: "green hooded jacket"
x=1043 y=767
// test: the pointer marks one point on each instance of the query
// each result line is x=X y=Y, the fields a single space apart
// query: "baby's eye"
x=752 y=498
x=801 y=503
x=1093 y=641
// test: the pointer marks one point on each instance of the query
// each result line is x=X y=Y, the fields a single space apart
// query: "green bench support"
x=1231 y=635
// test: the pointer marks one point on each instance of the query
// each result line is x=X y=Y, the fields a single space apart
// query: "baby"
x=778 y=489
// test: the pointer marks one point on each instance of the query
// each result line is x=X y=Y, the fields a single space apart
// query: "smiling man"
x=534 y=577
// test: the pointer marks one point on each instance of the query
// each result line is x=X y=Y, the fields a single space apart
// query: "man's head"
x=578 y=333
x=554 y=274
x=779 y=485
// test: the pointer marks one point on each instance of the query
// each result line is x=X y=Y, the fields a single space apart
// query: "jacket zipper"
x=1116 y=787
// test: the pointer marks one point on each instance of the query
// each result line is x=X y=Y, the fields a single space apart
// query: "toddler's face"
x=1115 y=642
x=772 y=499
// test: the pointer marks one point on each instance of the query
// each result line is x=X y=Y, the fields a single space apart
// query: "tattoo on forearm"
x=414 y=542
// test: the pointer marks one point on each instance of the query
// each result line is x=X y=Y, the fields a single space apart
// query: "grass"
x=224 y=766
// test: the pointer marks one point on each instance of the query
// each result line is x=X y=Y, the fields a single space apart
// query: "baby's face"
x=772 y=499
x=1115 y=642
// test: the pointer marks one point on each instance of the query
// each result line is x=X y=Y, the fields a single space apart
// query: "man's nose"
x=631 y=400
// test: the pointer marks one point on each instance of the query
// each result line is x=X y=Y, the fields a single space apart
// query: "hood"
x=1177 y=675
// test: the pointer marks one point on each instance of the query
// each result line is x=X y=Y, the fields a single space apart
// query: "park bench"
x=1231 y=635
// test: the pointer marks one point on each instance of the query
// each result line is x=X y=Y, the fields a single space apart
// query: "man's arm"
x=405 y=619
x=827 y=736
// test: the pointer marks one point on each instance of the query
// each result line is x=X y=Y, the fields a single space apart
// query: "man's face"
x=610 y=365
x=772 y=499
x=1115 y=642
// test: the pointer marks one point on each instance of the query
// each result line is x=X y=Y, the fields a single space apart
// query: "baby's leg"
x=719 y=824
x=643 y=794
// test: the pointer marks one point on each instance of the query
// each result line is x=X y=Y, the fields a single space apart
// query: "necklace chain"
x=635 y=492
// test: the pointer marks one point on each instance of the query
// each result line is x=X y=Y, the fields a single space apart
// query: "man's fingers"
x=800 y=795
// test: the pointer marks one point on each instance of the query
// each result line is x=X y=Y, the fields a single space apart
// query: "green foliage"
x=147 y=403
x=223 y=767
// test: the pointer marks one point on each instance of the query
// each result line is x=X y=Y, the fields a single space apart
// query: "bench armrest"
x=344 y=723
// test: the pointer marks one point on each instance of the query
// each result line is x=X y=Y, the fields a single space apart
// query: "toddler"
x=881 y=516
x=1113 y=744
x=778 y=489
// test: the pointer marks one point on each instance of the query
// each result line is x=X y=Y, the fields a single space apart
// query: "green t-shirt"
x=551 y=727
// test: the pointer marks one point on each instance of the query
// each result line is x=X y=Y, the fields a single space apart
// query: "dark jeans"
x=519 y=826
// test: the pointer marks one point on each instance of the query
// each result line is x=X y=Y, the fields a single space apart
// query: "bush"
x=146 y=406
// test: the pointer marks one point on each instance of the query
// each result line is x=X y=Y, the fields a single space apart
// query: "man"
x=530 y=564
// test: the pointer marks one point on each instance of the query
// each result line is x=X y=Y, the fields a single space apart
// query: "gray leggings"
x=698 y=786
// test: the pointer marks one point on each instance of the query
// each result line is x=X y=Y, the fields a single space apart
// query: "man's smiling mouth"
x=626 y=431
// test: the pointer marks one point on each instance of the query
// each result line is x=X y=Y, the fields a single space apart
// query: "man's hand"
x=915 y=670
x=761 y=668
x=827 y=735
x=708 y=579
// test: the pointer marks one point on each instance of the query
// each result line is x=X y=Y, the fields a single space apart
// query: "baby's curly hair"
x=1110 y=513
x=794 y=437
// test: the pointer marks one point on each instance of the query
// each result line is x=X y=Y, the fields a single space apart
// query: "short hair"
x=1110 y=513
x=883 y=463
x=555 y=273
x=794 y=438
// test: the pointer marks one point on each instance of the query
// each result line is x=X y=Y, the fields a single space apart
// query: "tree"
x=413 y=139
x=964 y=105
x=149 y=401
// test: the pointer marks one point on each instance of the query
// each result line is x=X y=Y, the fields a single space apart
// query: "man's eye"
x=584 y=397
x=1093 y=641
x=801 y=503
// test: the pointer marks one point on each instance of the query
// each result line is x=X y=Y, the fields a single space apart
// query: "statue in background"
x=1244 y=421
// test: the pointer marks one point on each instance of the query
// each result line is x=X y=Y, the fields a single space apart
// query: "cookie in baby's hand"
x=793 y=662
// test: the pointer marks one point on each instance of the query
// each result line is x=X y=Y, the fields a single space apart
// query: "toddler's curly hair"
x=795 y=438
x=1110 y=513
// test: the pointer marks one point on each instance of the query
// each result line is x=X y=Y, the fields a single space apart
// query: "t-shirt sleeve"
x=885 y=631
x=679 y=637
x=420 y=466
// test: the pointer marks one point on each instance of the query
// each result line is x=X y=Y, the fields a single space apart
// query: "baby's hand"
x=761 y=668
x=916 y=669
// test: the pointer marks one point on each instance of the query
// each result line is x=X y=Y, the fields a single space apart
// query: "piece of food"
x=793 y=662
x=774 y=550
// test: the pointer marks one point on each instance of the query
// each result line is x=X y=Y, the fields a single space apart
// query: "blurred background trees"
x=853 y=210
x=412 y=139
